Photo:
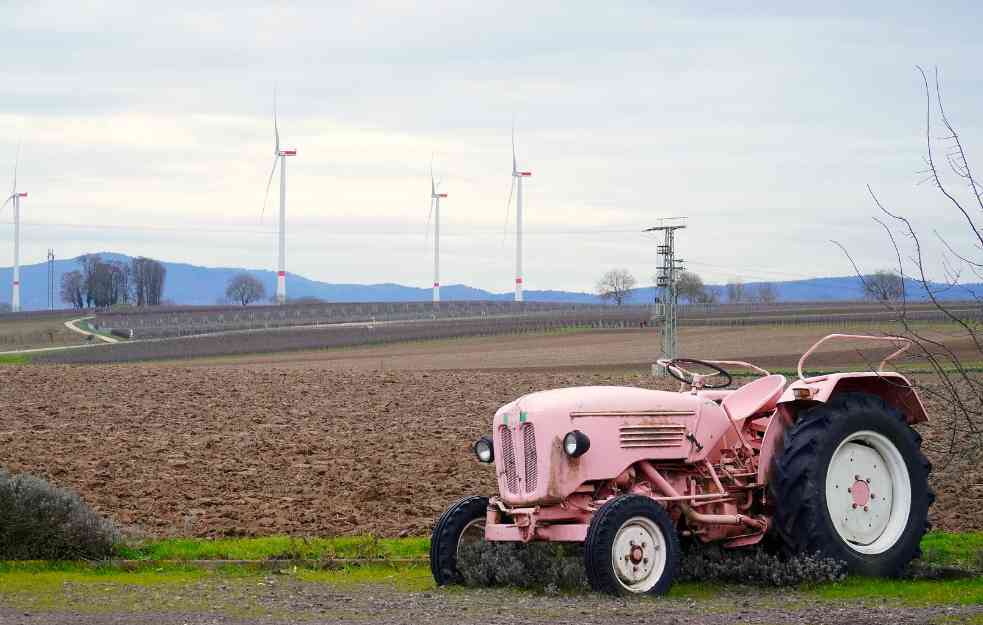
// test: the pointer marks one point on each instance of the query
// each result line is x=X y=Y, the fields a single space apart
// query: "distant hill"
x=196 y=285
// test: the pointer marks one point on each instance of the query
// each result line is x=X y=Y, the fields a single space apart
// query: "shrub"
x=757 y=567
x=41 y=522
x=554 y=566
x=541 y=566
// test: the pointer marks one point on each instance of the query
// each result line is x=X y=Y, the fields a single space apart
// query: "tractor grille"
x=653 y=435
x=529 y=446
x=508 y=459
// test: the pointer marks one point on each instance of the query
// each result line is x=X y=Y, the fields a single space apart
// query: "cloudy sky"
x=146 y=129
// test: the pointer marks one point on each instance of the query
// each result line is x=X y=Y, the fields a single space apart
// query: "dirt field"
x=348 y=441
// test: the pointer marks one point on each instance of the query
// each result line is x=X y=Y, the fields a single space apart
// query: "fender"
x=894 y=388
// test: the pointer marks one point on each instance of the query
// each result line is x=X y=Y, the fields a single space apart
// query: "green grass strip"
x=277 y=547
x=15 y=359
x=907 y=592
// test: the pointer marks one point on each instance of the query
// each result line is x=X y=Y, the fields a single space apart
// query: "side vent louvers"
x=653 y=435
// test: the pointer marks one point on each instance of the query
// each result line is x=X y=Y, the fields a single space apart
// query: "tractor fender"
x=893 y=388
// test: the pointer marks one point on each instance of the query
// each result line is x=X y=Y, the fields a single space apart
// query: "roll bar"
x=864 y=337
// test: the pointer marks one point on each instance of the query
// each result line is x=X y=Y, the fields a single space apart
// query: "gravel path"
x=289 y=600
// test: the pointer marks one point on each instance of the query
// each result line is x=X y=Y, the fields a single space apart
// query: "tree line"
x=99 y=283
x=618 y=285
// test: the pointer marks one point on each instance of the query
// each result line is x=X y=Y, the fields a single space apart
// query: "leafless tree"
x=616 y=286
x=883 y=286
x=245 y=289
x=689 y=287
x=736 y=292
x=766 y=293
x=148 y=281
x=952 y=175
x=72 y=289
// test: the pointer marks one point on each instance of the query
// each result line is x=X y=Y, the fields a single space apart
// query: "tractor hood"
x=624 y=425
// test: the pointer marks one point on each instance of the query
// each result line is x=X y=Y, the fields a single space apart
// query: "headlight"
x=576 y=444
x=484 y=450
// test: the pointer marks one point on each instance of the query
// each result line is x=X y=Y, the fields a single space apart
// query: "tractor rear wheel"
x=632 y=547
x=852 y=484
x=463 y=523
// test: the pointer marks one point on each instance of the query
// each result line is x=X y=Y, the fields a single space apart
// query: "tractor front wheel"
x=463 y=523
x=852 y=485
x=632 y=547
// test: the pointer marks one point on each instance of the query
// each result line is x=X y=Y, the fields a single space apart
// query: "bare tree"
x=72 y=289
x=956 y=387
x=766 y=293
x=736 y=292
x=148 y=281
x=245 y=289
x=883 y=286
x=616 y=286
x=689 y=287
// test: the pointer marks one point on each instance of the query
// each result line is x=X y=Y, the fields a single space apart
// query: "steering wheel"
x=696 y=379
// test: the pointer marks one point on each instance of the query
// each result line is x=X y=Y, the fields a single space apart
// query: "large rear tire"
x=462 y=523
x=852 y=484
x=632 y=548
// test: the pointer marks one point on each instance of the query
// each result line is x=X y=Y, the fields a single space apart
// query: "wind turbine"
x=14 y=199
x=279 y=160
x=516 y=188
x=435 y=214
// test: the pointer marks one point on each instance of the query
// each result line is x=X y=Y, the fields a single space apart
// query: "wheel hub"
x=866 y=474
x=639 y=554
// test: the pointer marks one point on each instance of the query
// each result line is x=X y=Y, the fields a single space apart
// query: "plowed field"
x=376 y=440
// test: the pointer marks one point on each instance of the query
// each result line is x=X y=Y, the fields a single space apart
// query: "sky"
x=147 y=130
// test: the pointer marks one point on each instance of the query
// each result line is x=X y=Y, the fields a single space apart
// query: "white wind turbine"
x=14 y=199
x=435 y=198
x=516 y=188
x=279 y=160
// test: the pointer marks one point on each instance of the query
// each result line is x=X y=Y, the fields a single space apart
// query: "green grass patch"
x=278 y=547
x=963 y=549
x=908 y=592
x=15 y=359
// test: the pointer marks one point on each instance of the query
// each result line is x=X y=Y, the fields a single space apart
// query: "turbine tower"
x=14 y=199
x=279 y=160
x=435 y=214
x=517 y=177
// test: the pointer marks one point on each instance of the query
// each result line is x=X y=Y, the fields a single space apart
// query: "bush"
x=555 y=566
x=41 y=522
x=757 y=567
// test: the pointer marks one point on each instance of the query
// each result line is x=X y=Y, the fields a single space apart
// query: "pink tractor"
x=827 y=464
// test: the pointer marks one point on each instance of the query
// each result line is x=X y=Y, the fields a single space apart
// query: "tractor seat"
x=754 y=397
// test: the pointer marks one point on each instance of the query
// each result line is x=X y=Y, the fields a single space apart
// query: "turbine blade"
x=514 y=167
x=426 y=237
x=266 y=195
x=508 y=207
x=13 y=189
x=4 y=205
x=433 y=185
x=276 y=129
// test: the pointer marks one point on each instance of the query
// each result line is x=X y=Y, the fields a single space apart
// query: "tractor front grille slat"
x=529 y=447
x=508 y=460
x=655 y=435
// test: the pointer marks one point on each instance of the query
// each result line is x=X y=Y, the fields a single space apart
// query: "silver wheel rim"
x=638 y=554
x=473 y=532
x=868 y=492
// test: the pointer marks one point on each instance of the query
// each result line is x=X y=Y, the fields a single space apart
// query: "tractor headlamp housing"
x=576 y=444
x=484 y=450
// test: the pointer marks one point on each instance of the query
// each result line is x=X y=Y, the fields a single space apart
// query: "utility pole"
x=665 y=309
x=51 y=279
